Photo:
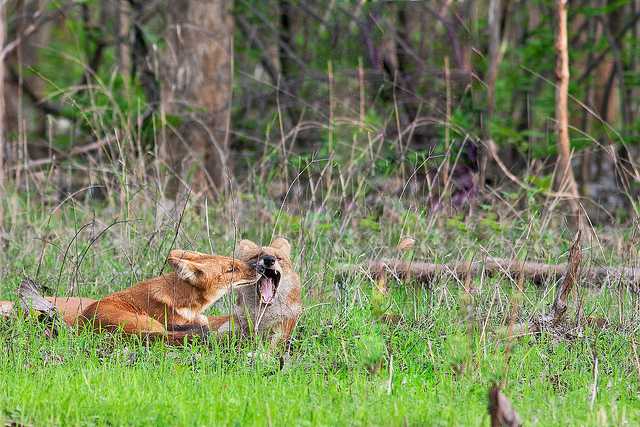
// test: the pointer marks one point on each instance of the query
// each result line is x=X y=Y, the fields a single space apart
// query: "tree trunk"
x=123 y=25
x=197 y=88
x=625 y=167
x=495 y=18
x=22 y=115
x=565 y=181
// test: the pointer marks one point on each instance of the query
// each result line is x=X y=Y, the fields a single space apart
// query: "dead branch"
x=500 y=410
x=553 y=319
x=40 y=19
x=559 y=307
x=536 y=272
x=75 y=151
x=594 y=63
x=44 y=105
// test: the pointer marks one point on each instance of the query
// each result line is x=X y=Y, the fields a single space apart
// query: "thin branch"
x=501 y=411
x=32 y=28
x=618 y=37
x=47 y=107
x=75 y=151
x=559 y=307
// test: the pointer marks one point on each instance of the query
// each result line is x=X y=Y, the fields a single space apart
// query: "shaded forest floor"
x=417 y=356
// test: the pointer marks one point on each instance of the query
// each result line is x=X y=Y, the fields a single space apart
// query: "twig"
x=501 y=411
x=559 y=307
x=564 y=180
x=636 y=359
x=75 y=151
x=390 y=381
x=44 y=105
x=594 y=387
x=596 y=62
x=41 y=19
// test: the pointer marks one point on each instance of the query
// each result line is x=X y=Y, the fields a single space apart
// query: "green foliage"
x=361 y=356
x=416 y=355
x=370 y=351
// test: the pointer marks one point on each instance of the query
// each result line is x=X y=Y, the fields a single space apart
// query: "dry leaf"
x=405 y=244
x=6 y=308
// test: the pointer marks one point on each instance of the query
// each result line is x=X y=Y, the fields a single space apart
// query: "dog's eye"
x=232 y=269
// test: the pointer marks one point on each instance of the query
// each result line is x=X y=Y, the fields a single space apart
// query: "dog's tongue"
x=266 y=290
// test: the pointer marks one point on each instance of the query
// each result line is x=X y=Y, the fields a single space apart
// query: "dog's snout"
x=269 y=260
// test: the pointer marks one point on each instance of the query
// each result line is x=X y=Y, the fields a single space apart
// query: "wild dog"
x=169 y=306
x=274 y=305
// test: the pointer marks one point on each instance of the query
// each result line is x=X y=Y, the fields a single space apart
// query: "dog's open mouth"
x=268 y=285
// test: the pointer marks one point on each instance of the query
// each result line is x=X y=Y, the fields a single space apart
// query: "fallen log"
x=538 y=273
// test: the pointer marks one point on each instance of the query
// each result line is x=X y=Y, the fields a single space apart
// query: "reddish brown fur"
x=70 y=307
x=174 y=299
x=155 y=306
x=216 y=322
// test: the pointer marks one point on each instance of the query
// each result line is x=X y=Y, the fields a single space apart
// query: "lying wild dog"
x=169 y=306
x=273 y=307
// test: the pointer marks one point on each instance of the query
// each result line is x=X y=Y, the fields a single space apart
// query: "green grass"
x=347 y=367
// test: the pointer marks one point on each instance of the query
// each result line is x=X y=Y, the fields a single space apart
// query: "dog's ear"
x=246 y=250
x=186 y=265
x=282 y=245
x=190 y=255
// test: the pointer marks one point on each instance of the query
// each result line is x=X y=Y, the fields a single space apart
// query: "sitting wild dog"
x=169 y=306
x=274 y=305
